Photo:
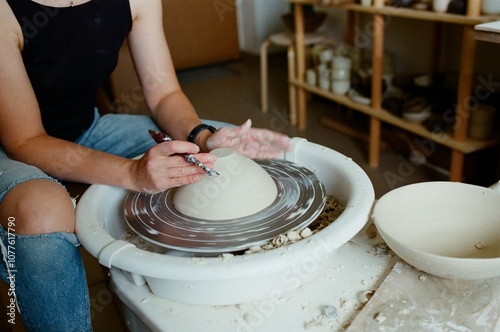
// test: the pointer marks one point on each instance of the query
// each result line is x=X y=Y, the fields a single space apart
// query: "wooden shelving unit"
x=468 y=146
x=458 y=141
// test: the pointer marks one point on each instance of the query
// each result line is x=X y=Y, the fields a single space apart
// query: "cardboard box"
x=201 y=32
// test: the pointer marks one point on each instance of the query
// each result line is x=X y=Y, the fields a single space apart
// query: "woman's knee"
x=38 y=206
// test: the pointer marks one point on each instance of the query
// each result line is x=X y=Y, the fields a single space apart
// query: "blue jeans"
x=46 y=271
x=46 y=280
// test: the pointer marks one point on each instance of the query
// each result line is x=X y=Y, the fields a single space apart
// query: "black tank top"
x=68 y=52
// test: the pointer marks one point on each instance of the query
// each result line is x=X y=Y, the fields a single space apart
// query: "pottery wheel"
x=301 y=198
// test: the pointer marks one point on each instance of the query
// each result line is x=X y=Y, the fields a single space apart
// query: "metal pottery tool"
x=160 y=137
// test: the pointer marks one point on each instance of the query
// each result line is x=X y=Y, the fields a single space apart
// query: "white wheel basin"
x=241 y=278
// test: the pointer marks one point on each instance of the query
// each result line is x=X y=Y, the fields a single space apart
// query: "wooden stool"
x=287 y=40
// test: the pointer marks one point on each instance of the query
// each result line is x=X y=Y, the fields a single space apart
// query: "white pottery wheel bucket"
x=100 y=227
x=448 y=229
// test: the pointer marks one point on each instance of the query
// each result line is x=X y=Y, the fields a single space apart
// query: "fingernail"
x=198 y=177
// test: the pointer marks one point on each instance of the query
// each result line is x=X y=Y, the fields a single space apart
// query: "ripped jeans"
x=46 y=281
x=45 y=274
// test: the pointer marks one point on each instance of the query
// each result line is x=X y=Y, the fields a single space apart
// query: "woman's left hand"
x=255 y=143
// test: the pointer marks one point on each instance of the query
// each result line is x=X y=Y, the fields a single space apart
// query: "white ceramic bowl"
x=417 y=117
x=101 y=226
x=448 y=229
x=423 y=81
x=358 y=97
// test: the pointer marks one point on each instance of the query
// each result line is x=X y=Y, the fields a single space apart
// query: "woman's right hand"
x=161 y=167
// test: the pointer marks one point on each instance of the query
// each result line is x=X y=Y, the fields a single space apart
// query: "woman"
x=54 y=56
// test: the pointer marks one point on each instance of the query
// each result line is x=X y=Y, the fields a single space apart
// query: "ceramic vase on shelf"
x=324 y=78
x=311 y=77
x=326 y=56
x=440 y=6
x=481 y=125
x=491 y=7
x=341 y=74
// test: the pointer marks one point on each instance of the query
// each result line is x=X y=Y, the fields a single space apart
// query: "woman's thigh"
x=125 y=135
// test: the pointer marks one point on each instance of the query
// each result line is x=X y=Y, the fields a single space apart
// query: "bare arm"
x=153 y=62
x=169 y=105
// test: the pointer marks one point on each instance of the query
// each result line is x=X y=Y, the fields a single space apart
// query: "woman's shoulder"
x=10 y=30
x=142 y=8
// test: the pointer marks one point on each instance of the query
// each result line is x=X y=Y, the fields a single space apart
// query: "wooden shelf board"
x=426 y=15
x=445 y=139
x=409 y=13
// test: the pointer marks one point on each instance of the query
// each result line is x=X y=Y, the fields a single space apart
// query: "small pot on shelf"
x=490 y=7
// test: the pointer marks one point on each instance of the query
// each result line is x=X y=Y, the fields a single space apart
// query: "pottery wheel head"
x=242 y=189
x=300 y=199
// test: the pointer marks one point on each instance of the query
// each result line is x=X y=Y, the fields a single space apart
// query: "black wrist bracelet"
x=197 y=129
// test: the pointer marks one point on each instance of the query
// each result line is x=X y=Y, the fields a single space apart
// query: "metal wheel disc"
x=301 y=198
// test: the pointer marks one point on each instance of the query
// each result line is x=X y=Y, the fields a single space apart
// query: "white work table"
x=489 y=32
x=366 y=287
